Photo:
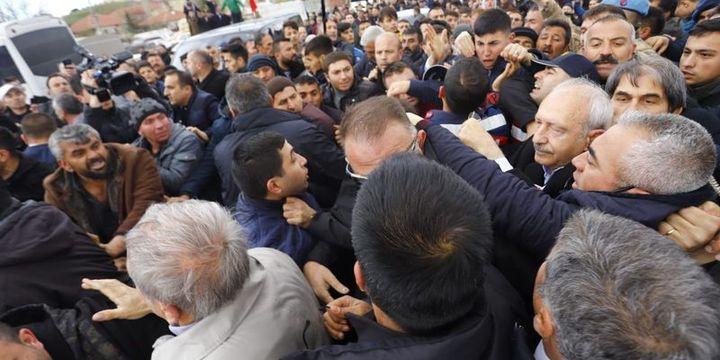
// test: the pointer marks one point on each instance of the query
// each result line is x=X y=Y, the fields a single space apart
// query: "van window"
x=7 y=65
x=44 y=49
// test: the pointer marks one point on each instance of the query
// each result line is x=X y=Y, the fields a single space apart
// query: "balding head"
x=199 y=63
x=387 y=50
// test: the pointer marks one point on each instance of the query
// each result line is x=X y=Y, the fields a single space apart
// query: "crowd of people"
x=481 y=180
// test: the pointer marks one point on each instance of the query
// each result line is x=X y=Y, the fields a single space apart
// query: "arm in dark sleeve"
x=211 y=111
x=519 y=211
x=674 y=51
x=426 y=91
x=515 y=100
x=322 y=254
x=205 y=169
x=322 y=154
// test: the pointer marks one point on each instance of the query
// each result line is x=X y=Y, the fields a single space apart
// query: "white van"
x=31 y=50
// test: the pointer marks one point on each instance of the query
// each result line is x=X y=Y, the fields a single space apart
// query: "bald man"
x=387 y=50
x=200 y=66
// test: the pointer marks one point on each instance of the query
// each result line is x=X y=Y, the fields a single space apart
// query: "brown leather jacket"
x=135 y=187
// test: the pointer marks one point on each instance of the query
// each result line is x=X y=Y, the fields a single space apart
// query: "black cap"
x=574 y=65
x=525 y=31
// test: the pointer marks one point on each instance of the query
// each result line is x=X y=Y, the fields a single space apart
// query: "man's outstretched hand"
x=130 y=303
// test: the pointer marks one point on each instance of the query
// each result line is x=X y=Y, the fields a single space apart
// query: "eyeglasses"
x=413 y=147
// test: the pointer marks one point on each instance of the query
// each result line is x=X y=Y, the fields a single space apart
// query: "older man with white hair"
x=190 y=263
x=367 y=41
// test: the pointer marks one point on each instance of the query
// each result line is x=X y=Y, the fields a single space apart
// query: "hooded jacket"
x=45 y=256
x=325 y=162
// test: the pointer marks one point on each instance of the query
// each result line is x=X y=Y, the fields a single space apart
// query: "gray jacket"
x=177 y=158
x=273 y=315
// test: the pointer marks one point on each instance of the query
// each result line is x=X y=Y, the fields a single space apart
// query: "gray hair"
x=596 y=103
x=68 y=103
x=661 y=70
x=671 y=144
x=76 y=134
x=190 y=254
x=371 y=34
x=606 y=19
x=245 y=92
x=619 y=290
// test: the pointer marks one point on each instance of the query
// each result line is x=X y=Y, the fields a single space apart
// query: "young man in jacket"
x=23 y=174
x=190 y=105
x=269 y=174
x=344 y=88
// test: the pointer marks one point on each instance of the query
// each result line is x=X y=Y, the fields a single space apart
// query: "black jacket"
x=26 y=182
x=707 y=95
x=364 y=67
x=525 y=167
x=295 y=68
x=113 y=124
x=489 y=331
x=44 y=257
x=214 y=83
x=361 y=90
x=326 y=163
x=201 y=111
x=72 y=334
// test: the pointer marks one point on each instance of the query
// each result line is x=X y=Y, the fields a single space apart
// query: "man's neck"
x=204 y=74
x=385 y=321
x=71 y=119
x=38 y=141
x=96 y=187
x=155 y=146
x=282 y=65
x=10 y=167
x=19 y=111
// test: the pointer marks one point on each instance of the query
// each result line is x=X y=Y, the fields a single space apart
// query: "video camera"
x=105 y=75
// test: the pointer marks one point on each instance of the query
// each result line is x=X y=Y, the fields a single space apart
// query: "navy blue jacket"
x=41 y=153
x=440 y=117
x=266 y=227
x=201 y=111
x=532 y=218
x=326 y=163
x=201 y=184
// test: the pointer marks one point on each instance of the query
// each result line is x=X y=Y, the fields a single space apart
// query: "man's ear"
x=172 y=314
x=592 y=134
x=421 y=138
x=359 y=278
x=273 y=187
x=441 y=93
x=543 y=322
x=511 y=37
x=644 y=32
x=676 y=111
x=65 y=166
x=28 y=338
x=24 y=138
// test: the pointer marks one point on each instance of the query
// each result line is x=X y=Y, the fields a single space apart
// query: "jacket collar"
x=701 y=92
x=261 y=117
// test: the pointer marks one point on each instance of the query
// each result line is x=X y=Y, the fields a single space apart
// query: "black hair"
x=7 y=332
x=141 y=64
x=414 y=30
x=492 y=21
x=343 y=26
x=184 y=77
x=387 y=12
x=655 y=20
x=291 y=24
x=236 y=50
x=260 y=36
x=604 y=9
x=421 y=236
x=37 y=125
x=334 y=57
x=561 y=24
x=706 y=27
x=668 y=6
x=397 y=67
x=319 y=45
x=306 y=80
x=8 y=141
x=466 y=86
x=257 y=160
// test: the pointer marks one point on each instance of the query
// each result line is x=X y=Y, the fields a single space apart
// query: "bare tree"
x=10 y=10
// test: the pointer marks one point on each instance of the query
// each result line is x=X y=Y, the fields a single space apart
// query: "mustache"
x=606 y=59
x=541 y=148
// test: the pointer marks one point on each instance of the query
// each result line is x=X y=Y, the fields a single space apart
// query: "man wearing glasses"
x=371 y=132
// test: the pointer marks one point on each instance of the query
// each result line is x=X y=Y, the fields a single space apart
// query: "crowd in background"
x=477 y=180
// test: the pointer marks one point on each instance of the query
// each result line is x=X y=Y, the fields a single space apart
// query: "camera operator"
x=111 y=120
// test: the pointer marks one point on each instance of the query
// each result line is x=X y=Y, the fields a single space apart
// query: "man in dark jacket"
x=285 y=97
x=111 y=120
x=250 y=102
x=23 y=174
x=15 y=99
x=36 y=130
x=175 y=149
x=45 y=255
x=269 y=173
x=344 y=88
x=285 y=56
x=104 y=188
x=311 y=93
x=209 y=79
x=607 y=177
x=420 y=309
x=191 y=106
x=702 y=73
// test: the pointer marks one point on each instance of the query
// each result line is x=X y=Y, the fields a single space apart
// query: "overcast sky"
x=56 y=7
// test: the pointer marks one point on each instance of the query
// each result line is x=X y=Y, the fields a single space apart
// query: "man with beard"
x=609 y=41
x=285 y=54
x=104 y=188
x=413 y=53
x=554 y=38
